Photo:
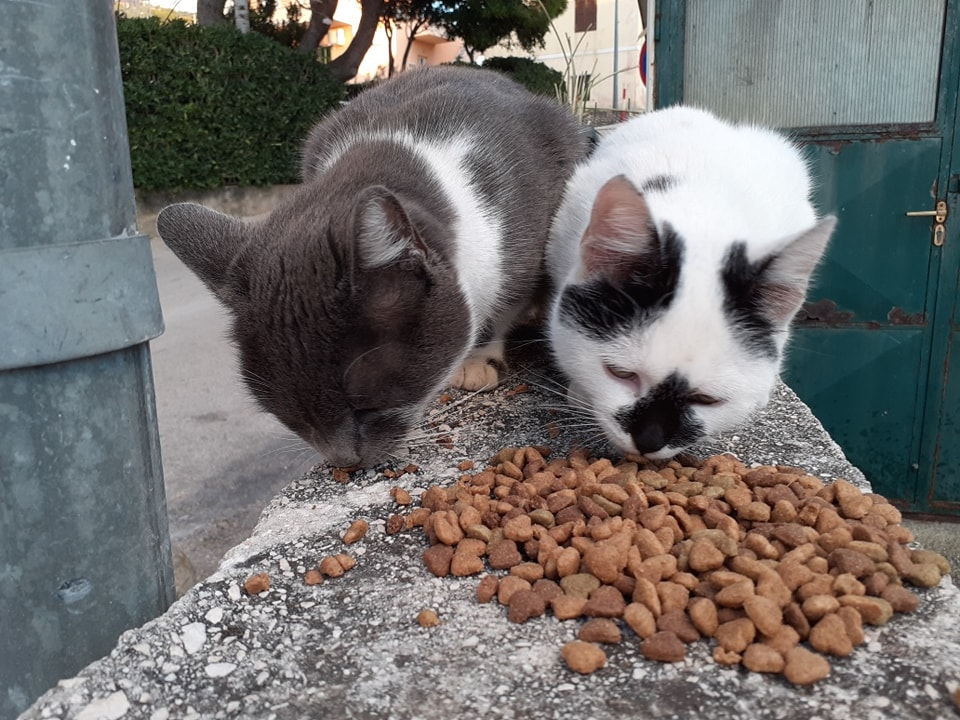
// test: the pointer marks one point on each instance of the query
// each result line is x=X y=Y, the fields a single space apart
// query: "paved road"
x=222 y=458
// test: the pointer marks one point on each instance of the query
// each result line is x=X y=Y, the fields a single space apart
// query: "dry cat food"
x=428 y=618
x=356 y=531
x=256 y=584
x=779 y=569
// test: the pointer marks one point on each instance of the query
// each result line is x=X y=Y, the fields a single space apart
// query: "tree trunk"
x=210 y=12
x=411 y=34
x=241 y=15
x=388 y=31
x=321 y=15
x=345 y=67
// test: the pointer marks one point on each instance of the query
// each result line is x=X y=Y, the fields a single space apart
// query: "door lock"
x=939 y=215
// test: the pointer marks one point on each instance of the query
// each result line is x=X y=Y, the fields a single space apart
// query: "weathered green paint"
x=875 y=354
x=939 y=489
x=879 y=258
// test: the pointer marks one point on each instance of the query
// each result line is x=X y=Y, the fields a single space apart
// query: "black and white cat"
x=397 y=268
x=680 y=254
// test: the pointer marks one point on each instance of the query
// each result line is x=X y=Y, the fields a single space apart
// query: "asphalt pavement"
x=223 y=459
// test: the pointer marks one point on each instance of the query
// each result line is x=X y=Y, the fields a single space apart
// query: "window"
x=585 y=16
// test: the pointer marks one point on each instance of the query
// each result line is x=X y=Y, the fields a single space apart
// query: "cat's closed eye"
x=366 y=416
x=703 y=399
x=620 y=373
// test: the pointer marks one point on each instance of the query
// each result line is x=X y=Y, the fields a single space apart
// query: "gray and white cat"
x=413 y=246
x=680 y=254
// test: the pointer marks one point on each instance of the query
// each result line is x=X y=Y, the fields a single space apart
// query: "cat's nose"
x=648 y=438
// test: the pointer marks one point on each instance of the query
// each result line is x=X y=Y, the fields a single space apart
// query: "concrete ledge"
x=350 y=647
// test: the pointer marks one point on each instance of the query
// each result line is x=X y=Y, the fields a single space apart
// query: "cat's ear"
x=385 y=234
x=783 y=286
x=621 y=228
x=209 y=243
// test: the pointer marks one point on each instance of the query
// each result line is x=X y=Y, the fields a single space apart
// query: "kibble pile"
x=780 y=569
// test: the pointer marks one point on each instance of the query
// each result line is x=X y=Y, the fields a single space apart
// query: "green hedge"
x=207 y=106
x=533 y=75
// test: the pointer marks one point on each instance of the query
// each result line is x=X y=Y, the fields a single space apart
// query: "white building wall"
x=595 y=53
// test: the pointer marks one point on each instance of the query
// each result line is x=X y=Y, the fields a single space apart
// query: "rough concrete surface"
x=350 y=647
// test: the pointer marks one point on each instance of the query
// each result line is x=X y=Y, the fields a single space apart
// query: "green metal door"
x=870 y=88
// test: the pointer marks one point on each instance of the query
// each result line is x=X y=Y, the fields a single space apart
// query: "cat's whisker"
x=575 y=425
x=527 y=343
x=264 y=389
x=357 y=359
x=286 y=449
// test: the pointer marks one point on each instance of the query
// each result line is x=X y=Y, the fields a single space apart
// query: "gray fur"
x=346 y=329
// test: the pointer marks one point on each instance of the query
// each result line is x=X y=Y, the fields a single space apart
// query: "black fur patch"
x=658 y=183
x=662 y=417
x=601 y=308
x=743 y=300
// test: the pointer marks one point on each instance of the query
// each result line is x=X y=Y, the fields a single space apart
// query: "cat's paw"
x=476 y=373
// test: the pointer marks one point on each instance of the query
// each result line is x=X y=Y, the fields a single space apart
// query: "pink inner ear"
x=781 y=301
x=619 y=229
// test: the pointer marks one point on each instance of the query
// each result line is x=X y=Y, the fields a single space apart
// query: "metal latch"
x=939 y=215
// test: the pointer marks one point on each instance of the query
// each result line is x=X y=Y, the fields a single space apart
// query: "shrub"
x=208 y=106
x=533 y=75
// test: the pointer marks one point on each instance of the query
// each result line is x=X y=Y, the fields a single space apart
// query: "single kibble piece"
x=357 y=529
x=487 y=588
x=606 y=601
x=663 y=646
x=640 y=619
x=703 y=614
x=504 y=555
x=853 y=624
x=567 y=607
x=726 y=657
x=765 y=614
x=400 y=496
x=525 y=604
x=874 y=611
x=395 y=523
x=583 y=657
x=600 y=630
x=679 y=623
x=705 y=556
x=312 y=577
x=829 y=636
x=437 y=559
x=604 y=561
x=463 y=564
x=804 y=667
x=735 y=635
x=256 y=584
x=509 y=585
x=759 y=657
x=924 y=575
x=900 y=598
x=428 y=618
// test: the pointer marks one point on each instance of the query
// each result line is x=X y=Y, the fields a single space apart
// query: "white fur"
x=478 y=232
x=732 y=184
